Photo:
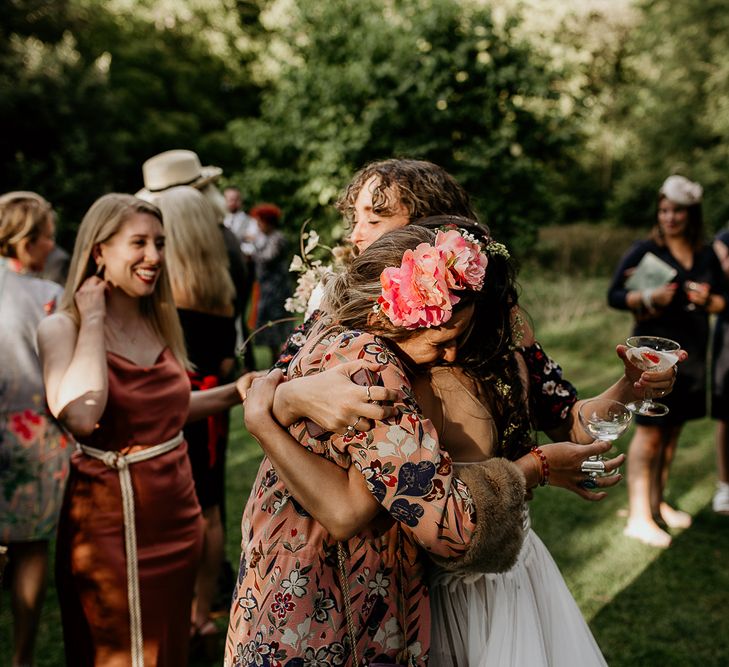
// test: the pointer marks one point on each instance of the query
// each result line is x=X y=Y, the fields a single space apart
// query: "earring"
x=99 y=267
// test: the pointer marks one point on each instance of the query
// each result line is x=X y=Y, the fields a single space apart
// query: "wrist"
x=92 y=319
x=284 y=411
x=625 y=388
x=530 y=469
x=543 y=466
x=260 y=424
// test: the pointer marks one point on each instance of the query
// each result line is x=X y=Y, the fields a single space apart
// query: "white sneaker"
x=721 y=498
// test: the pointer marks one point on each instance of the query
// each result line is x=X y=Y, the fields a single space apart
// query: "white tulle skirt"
x=525 y=617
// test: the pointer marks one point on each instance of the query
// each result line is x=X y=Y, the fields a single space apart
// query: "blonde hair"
x=103 y=220
x=195 y=254
x=351 y=295
x=22 y=215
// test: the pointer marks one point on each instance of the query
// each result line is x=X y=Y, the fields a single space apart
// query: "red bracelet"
x=543 y=465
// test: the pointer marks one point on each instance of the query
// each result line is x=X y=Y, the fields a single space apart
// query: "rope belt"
x=121 y=462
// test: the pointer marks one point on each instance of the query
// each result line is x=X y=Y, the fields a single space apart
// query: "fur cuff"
x=498 y=489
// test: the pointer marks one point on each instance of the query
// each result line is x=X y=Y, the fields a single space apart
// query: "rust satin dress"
x=146 y=406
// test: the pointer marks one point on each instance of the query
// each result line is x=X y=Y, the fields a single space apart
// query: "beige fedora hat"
x=172 y=168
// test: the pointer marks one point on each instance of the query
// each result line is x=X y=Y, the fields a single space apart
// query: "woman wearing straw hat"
x=183 y=167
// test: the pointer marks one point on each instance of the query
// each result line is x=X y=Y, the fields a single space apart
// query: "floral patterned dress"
x=287 y=606
x=34 y=457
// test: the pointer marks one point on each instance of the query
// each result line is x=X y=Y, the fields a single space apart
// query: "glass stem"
x=648 y=398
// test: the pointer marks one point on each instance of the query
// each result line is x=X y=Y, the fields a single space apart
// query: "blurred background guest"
x=182 y=167
x=272 y=274
x=244 y=226
x=720 y=386
x=204 y=295
x=33 y=451
x=56 y=268
x=678 y=310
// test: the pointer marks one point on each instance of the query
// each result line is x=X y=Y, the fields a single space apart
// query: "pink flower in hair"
x=466 y=261
x=416 y=293
x=419 y=293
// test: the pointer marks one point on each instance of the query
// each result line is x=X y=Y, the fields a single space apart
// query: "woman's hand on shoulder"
x=565 y=460
x=90 y=298
x=343 y=396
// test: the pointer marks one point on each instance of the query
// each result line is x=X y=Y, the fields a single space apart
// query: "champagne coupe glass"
x=604 y=419
x=652 y=354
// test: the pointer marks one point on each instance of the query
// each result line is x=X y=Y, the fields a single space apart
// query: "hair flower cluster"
x=419 y=293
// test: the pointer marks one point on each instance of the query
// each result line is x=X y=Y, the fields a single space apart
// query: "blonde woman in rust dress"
x=114 y=363
x=33 y=453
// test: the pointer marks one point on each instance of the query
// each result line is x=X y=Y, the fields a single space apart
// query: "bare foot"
x=675 y=518
x=647 y=532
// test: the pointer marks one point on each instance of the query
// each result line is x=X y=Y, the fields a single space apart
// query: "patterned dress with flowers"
x=33 y=451
x=287 y=606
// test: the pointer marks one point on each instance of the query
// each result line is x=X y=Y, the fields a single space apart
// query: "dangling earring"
x=99 y=267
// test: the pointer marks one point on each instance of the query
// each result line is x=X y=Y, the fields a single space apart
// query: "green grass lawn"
x=646 y=606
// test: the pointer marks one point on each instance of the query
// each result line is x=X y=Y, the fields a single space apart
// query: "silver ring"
x=352 y=428
x=587 y=483
x=589 y=466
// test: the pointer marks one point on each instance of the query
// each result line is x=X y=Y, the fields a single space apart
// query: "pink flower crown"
x=419 y=293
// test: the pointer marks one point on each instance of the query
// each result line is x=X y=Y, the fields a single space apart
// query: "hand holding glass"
x=604 y=419
x=655 y=355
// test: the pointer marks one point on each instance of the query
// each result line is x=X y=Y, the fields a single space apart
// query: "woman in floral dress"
x=288 y=604
x=33 y=450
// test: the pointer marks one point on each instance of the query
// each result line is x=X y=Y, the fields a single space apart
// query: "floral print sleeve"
x=552 y=395
x=295 y=340
x=405 y=469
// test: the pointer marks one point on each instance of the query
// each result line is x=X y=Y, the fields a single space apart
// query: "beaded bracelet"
x=543 y=465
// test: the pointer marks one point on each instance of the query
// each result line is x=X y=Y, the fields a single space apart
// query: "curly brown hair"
x=422 y=187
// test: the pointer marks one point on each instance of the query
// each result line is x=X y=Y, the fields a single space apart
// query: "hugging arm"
x=413 y=480
x=337 y=498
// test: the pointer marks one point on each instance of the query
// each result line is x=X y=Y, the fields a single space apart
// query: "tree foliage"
x=559 y=113
x=428 y=79
x=87 y=94
x=677 y=106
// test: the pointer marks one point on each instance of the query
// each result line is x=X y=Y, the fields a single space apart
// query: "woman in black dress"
x=680 y=311
x=204 y=295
